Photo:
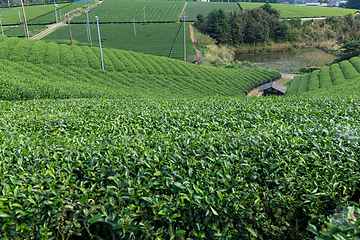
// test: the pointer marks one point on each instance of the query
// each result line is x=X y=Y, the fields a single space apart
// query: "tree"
x=349 y=50
x=354 y=4
x=218 y=27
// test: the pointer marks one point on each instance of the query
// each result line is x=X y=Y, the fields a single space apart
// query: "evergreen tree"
x=354 y=4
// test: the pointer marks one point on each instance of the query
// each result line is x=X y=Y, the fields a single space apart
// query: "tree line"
x=262 y=25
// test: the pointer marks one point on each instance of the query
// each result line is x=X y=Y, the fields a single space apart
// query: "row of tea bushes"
x=326 y=77
x=211 y=168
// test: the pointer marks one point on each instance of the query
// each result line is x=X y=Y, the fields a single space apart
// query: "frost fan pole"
x=134 y=26
x=144 y=15
x=97 y=23
x=21 y=23
x=184 y=20
x=26 y=27
x=55 y=12
x=67 y=15
x=2 y=31
x=88 y=27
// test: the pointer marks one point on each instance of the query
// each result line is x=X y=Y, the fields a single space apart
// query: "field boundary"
x=182 y=11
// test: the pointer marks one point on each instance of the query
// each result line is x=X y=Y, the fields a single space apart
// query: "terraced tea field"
x=155 y=39
x=334 y=74
x=127 y=73
x=11 y=15
x=286 y=10
x=123 y=11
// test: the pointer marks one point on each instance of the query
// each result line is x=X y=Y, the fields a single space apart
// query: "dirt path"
x=198 y=53
x=182 y=12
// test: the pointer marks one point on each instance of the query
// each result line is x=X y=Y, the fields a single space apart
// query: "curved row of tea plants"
x=211 y=168
x=24 y=80
x=123 y=11
x=326 y=77
x=151 y=38
x=148 y=75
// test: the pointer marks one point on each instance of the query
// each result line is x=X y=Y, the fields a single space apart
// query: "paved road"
x=48 y=30
x=289 y=75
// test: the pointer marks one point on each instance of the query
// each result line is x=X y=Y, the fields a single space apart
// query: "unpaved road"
x=198 y=53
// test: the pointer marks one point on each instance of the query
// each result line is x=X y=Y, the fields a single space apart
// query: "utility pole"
x=9 y=3
x=21 y=23
x=144 y=15
x=70 y=29
x=244 y=5
x=88 y=27
x=26 y=27
x=101 y=56
x=2 y=31
x=295 y=5
x=60 y=14
x=55 y=12
x=134 y=26
x=184 y=22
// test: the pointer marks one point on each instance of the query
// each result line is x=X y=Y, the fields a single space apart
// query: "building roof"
x=273 y=85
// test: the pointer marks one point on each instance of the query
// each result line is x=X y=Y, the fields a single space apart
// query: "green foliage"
x=349 y=50
x=218 y=27
x=314 y=81
x=286 y=10
x=293 y=86
x=126 y=74
x=304 y=82
x=348 y=70
x=11 y=16
x=344 y=225
x=50 y=17
x=325 y=77
x=195 y=168
x=353 y=4
x=337 y=75
x=154 y=39
x=115 y=11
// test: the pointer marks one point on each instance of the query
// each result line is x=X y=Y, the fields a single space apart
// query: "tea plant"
x=192 y=168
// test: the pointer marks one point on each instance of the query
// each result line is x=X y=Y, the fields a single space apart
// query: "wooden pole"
x=26 y=27
x=72 y=43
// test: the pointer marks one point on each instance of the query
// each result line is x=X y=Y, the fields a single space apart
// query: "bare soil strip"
x=198 y=53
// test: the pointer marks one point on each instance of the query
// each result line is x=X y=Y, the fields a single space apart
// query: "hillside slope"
x=343 y=73
x=35 y=69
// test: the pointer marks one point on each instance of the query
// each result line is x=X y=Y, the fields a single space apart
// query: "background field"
x=124 y=11
x=327 y=77
x=286 y=11
x=194 y=8
x=50 y=17
x=11 y=15
x=151 y=38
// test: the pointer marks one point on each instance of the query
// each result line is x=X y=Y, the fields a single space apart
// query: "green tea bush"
x=348 y=70
x=52 y=55
x=337 y=76
x=314 y=81
x=67 y=57
x=37 y=53
x=293 y=86
x=79 y=57
x=303 y=85
x=183 y=168
x=344 y=225
x=325 y=77
x=355 y=61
